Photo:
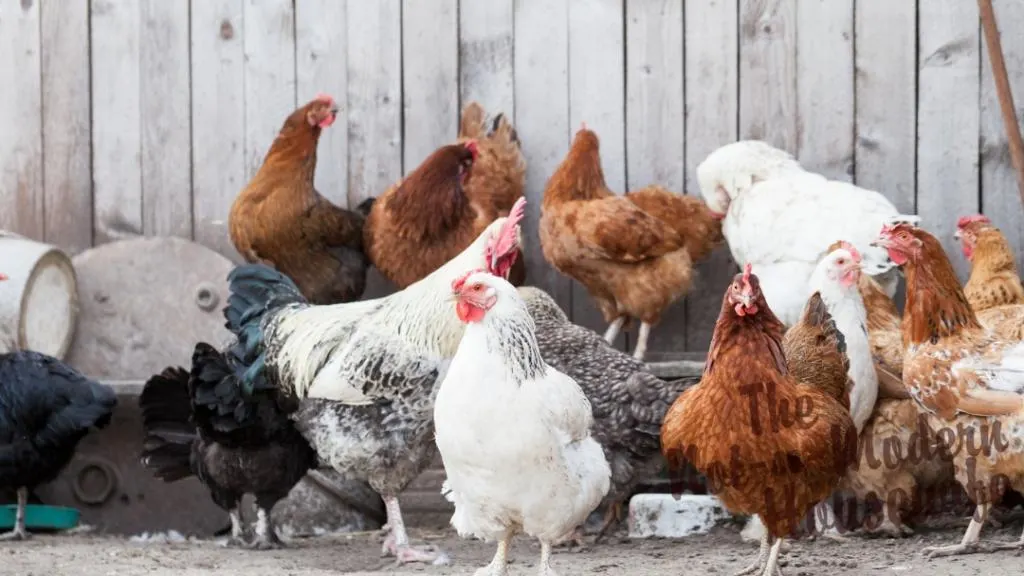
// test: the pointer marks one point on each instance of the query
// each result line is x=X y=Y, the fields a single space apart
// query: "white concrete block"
x=665 y=516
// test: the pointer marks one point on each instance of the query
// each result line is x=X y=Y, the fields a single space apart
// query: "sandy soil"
x=721 y=552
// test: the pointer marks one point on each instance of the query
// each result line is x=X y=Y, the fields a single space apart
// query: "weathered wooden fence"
x=125 y=117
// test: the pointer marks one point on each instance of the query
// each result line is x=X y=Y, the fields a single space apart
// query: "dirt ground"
x=721 y=552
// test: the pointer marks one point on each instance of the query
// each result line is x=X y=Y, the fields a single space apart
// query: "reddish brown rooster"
x=965 y=379
x=769 y=444
x=279 y=219
x=633 y=253
x=436 y=211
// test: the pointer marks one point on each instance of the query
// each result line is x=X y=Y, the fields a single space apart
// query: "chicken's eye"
x=841 y=261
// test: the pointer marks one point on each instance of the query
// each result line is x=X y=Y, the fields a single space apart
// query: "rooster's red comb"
x=325 y=98
x=746 y=273
x=459 y=282
x=472 y=147
x=851 y=249
x=965 y=220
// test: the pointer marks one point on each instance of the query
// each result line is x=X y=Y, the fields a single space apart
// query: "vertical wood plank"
x=486 y=70
x=712 y=105
x=374 y=97
x=218 y=119
x=597 y=97
x=1000 y=197
x=886 y=149
x=947 y=119
x=430 y=70
x=165 y=118
x=269 y=41
x=768 y=72
x=825 y=87
x=542 y=121
x=655 y=119
x=21 y=144
x=67 y=151
x=116 y=108
x=322 y=66
x=375 y=107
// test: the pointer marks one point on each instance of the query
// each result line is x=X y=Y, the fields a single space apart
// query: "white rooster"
x=514 y=433
x=359 y=378
x=781 y=218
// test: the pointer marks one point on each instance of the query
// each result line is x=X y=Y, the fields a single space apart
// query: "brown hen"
x=967 y=381
x=279 y=219
x=442 y=206
x=769 y=444
x=994 y=279
x=633 y=253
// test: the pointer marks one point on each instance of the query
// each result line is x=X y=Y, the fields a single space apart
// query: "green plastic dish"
x=40 y=517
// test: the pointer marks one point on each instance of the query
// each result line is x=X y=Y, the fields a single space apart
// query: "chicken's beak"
x=958 y=235
x=881 y=242
x=746 y=299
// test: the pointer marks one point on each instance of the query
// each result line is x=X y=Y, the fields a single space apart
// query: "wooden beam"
x=1003 y=90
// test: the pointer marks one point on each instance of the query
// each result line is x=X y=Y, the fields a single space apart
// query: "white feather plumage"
x=514 y=433
x=781 y=219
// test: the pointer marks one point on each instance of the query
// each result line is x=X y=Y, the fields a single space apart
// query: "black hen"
x=236 y=438
x=46 y=407
x=629 y=403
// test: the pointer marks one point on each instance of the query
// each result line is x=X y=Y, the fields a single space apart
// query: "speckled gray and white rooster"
x=365 y=373
x=628 y=402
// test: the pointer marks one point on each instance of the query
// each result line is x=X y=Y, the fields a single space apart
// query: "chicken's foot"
x=499 y=564
x=19 y=532
x=891 y=526
x=266 y=538
x=825 y=522
x=762 y=557
x=611 y=517
x=397 y=542
x=613 y=329
x=771 y=568
x=237 y=537
x=545 y=560
x=641 y=341
x=969 y=543
x=1018 y=545
x=573 y=542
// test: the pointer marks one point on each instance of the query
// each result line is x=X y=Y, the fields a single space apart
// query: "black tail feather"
x=168 y=424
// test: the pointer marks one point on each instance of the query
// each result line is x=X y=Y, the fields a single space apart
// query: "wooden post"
x=995 y=53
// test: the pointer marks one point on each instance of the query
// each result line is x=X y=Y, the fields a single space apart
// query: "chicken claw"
x=266 y=538
x=545 y=560
x=762 y=557
x=19 y=533
x=498 y=565
x=767 y=563
x=969 y=544
x=891 y=529
x=611 y=517
x=574 y=542
x=397 y=541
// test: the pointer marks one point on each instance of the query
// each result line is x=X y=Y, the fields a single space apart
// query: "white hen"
x=836 y=278
x=513 y=432
x=781 y=218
